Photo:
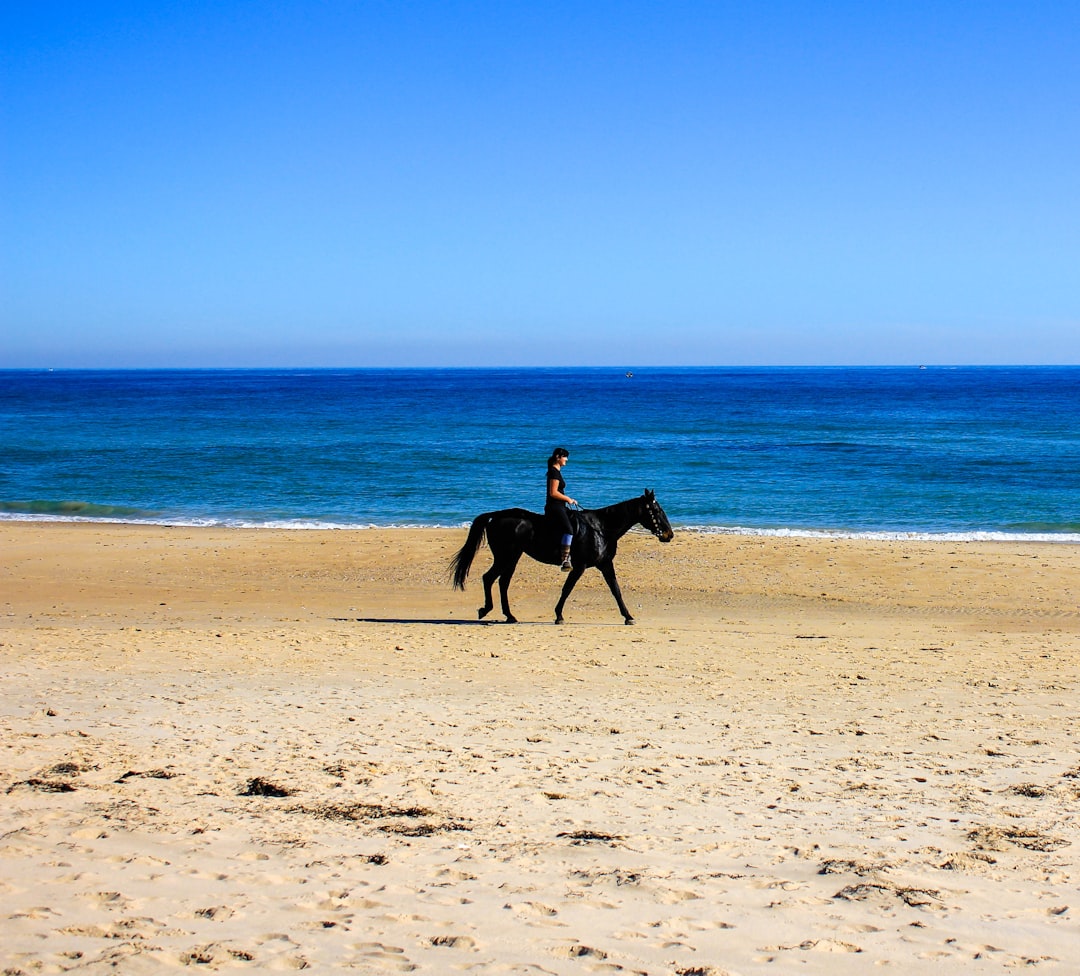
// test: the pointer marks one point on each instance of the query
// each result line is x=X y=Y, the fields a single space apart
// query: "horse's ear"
x=649 y=495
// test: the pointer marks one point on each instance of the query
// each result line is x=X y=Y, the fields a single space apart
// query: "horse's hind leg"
x=489 y=578
x=504 y=586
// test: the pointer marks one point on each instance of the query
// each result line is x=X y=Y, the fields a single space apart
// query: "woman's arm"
x=553 y=492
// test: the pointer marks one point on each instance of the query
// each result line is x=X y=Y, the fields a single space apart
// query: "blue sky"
x=501 y=183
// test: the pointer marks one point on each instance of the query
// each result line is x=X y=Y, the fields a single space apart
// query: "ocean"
x=964 y=453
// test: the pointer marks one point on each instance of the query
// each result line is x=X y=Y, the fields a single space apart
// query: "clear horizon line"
x=551 y=366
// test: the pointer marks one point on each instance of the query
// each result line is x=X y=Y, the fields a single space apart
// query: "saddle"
x=581 y=521
x=550 y=528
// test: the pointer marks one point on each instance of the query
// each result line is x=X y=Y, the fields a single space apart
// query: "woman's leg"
x=567 y=539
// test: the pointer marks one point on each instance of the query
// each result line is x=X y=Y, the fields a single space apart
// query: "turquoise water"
x=961 y=452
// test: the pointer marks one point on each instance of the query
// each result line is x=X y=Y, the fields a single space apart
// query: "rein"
x=631 y=510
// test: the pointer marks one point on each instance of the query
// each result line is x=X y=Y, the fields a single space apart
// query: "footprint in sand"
x=87 y=931
x=103 y=898
x=672 y=896
x=377 y=948
x=452 y=941
x=707 y=925
x=386 y=957
x=217 y=913
x=527 y=909
x=828 y=945
x=579 y=951
x=701 y=971
x=321 y=925
x=36 y=913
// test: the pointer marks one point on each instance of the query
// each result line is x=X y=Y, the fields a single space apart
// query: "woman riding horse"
x=557 y=500
x=515 y=531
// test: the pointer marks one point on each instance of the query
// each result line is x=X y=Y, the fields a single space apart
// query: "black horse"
x=514 y=531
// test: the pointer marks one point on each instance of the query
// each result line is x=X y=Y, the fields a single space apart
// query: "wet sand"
x=253 y=749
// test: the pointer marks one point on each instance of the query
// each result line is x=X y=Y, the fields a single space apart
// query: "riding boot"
x=566 y=567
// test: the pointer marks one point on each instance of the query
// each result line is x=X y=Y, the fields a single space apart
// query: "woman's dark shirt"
x=556 y=507
x=554 y=474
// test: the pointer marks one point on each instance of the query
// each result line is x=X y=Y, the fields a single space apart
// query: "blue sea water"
x=986 y=452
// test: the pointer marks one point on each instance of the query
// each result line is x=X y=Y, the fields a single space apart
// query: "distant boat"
x=629 y=375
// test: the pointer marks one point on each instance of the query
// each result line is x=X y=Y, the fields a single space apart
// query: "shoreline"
x=306 y=525
x=276 y=749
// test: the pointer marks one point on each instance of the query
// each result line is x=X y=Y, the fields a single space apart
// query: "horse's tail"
x=462 y=562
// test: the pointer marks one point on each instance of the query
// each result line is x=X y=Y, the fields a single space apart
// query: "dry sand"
x=812 y=756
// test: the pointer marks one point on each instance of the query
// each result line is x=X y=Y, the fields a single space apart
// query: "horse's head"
x=654 y=518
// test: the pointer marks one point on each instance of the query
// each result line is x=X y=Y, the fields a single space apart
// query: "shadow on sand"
x=421 y=620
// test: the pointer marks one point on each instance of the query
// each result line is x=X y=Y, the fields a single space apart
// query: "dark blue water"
x=965 y=451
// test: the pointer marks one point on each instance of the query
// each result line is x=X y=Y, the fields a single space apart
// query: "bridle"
x=652 y=508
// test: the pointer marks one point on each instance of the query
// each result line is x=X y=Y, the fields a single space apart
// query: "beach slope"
x=263 y=750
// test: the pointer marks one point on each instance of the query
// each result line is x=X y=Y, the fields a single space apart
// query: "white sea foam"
x=225 y=523
x=1072 y=538
x=888 y=536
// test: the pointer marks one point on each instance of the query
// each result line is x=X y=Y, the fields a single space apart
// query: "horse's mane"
x=618 y=507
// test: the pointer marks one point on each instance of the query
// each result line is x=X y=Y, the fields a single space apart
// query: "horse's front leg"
x=571 y=581
x=608 y=570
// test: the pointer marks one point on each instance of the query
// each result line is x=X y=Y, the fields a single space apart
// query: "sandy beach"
x=264 y=750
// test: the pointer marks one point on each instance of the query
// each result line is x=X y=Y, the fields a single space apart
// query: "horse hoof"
x=629 y=621
x=483 y=612
x=559 y=620
x=511 y=619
